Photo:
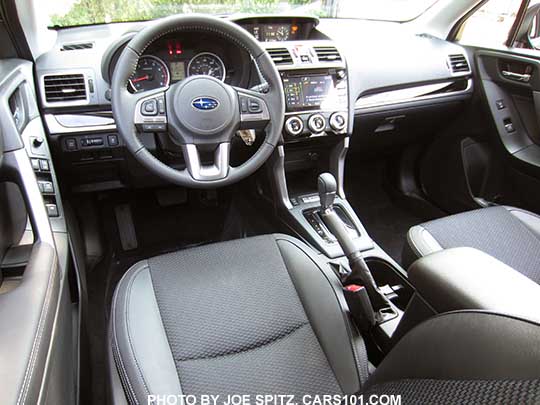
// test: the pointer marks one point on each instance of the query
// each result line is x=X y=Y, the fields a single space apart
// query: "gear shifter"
x=327 y=190
x=359 y=270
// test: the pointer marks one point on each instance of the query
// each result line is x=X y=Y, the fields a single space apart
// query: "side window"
x=490 y=25
x=528 y=35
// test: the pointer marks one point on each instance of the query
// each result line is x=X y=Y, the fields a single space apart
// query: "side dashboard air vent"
x=280 y=56
x=64 y=88
x=458 y=63
x=77 y=46
x=327 y=53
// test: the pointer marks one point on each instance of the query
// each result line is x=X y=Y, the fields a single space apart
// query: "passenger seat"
x=509 y=234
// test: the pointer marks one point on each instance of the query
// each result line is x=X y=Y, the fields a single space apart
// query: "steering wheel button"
x=254 y=106
x=161 y=105
x=243 y=104
x=149 y=107
x=154 y=127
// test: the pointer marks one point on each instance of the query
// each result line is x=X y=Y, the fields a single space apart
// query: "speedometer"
x=207 y=64
x=151 y=73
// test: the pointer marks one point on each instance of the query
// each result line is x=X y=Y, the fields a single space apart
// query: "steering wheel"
x=200 y=113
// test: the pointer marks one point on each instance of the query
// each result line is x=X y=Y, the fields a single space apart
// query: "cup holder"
x=392 y=283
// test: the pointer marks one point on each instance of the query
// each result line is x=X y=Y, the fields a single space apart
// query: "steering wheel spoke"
x=219 y=169
x=150 y=112
x=254 y=111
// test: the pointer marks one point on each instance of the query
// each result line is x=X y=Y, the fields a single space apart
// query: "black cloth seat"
x=511 y=235
x=265 y=315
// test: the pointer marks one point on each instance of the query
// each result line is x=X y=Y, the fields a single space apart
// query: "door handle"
x=518 y=77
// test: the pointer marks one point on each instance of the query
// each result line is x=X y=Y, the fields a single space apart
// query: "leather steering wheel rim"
x=126 y=105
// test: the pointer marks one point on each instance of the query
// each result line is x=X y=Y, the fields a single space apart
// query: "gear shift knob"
x=327 y=190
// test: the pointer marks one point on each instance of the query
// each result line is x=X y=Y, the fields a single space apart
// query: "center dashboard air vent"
x=281 y=56
x=65 y=88
x=77 y=46
x=458 y=63
x=327 y=53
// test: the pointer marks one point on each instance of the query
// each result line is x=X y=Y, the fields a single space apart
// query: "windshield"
x=64 y=13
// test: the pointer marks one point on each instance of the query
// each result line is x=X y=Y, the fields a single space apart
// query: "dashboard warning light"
x=294 y=28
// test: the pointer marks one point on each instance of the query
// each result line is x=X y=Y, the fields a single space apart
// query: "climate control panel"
x=311 y=124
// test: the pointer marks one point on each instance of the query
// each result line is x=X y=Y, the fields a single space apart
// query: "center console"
x=316 y=138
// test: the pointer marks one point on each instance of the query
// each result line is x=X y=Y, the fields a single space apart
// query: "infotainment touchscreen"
x=310 y=92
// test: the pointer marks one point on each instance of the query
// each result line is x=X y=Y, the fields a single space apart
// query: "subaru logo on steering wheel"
x=205 y=103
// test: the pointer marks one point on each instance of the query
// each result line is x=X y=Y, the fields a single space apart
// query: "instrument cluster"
x=173 y=58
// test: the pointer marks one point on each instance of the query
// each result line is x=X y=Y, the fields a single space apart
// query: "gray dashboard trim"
x=361 y=103
x=55 y=127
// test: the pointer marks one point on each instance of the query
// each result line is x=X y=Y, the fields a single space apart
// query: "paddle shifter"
x=360 y=273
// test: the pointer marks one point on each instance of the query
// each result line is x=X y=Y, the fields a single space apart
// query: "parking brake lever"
x=359 y=270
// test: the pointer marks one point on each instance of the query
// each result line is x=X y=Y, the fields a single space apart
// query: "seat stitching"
x=115 y=337
x=126 y=313
x=234 y=352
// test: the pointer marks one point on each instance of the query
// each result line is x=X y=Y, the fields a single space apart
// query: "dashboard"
x=336 y=78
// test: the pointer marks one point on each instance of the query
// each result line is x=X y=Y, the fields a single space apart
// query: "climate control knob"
x=316 y=123
x=338 y=121
x=294 y=126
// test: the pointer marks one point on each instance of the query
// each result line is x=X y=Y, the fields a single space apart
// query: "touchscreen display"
x=304 y=92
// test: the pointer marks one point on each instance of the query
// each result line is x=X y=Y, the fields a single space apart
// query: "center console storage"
x=466 y=278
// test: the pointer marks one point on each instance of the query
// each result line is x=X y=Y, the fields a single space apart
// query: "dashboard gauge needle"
x=140 y=79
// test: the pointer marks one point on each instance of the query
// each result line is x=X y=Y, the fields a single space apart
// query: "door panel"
x=510 y=82
x=37 y=338
x=511 y=100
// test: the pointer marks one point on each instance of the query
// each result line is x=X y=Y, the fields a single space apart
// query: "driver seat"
x=265 y=315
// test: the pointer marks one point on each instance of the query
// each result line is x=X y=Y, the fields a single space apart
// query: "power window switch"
x=35 y=164
x=500 y=104
x=509 y=126
x=44 y=165
x=46 y=187
x=52 y=210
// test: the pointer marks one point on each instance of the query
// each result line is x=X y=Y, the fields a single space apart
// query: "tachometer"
x=207 y=64
x=151 y=73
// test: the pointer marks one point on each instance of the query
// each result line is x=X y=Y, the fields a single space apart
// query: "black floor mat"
x=386 y=222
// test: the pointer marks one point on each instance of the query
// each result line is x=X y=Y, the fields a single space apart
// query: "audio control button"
x=317 y=123
x=294 y=126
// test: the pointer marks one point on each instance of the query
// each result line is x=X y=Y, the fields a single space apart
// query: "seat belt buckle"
x=360 y=306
